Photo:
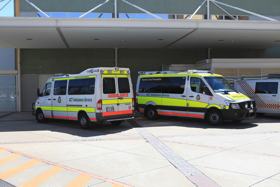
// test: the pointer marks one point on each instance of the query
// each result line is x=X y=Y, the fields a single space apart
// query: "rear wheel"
x=84 y=121
x=214 y=117
x=151 y=113
x=40 y=116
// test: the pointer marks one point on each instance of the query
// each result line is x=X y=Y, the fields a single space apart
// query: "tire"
x=84 y=121
x=116 y=123
x=214 y=117
x=40 y=116
x=151 y=113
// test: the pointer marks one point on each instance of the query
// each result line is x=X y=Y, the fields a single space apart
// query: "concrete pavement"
x=231 y=155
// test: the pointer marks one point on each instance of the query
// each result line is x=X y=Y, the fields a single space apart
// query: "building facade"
x=37 y=56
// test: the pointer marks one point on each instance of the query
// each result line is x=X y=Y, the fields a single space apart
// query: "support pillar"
x=17 y=60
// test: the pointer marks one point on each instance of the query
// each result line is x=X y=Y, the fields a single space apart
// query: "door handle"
x=274 y=95
x=183 y=96
x=191 y=96
x=49 y=99
x=54 y=99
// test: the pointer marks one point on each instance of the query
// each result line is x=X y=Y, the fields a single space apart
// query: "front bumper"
x=240 y=114
x=231 y=114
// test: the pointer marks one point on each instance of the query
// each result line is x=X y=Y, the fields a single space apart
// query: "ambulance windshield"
x=219 y=84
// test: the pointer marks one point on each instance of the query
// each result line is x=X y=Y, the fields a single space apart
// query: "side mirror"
x=39 y=94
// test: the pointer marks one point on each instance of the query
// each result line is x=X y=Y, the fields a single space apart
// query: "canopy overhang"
x=127 y=33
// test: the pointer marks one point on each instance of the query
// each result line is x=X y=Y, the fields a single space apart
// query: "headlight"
x=235 y=106
x=227 y=102
x=252 y=105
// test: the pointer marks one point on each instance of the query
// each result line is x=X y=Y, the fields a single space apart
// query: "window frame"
x=200 y=87
x=265 y=83
x=66 y=90
x=115 y=87
x=81 y=79
x=128 y=84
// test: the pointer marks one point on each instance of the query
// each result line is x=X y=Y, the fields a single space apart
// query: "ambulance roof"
x=195 y=73
x=94 y=71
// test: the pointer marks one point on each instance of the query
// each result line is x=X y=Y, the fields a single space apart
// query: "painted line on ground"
x=42 y=177
x=189 y=171
x=55 y=168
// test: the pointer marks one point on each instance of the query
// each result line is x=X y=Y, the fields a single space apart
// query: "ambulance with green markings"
x=193 y=94
x=95 y=95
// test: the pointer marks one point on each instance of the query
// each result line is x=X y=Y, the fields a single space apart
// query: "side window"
x=198 y=86
x=60 y=87
x=47 y=89
x=173 y=85
x=266 y=88
x=150 y=85
x=109 y=85
x=123 y=85
x=81 y=86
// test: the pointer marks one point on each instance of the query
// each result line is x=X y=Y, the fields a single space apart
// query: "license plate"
x=110 y=109
x=251 y=111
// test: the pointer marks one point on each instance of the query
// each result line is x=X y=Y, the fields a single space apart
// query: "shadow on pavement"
x=15 y=122
x=194 y=123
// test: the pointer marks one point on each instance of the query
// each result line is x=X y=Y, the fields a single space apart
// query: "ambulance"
x=194 y=94
x=95 y=95
x=264 y=90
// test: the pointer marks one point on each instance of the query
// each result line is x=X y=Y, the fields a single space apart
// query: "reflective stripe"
x=174 y=102
x=66 y=109
x=123 y=112
x=183 y=74
x=181 y=114
x=197 y=104
x=77 y=77
x=113 y=76
x=145 y=99
x=116 y=101
x=217 y=106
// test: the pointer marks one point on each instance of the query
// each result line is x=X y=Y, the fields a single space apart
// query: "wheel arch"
x=212 y=108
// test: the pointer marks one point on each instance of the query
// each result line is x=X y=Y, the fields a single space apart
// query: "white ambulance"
x=194 y=94
x=264 y=90
x=95 y=95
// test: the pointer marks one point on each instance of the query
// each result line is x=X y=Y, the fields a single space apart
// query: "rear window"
x=60 y=88
x=81 y=86
x=266 y=88
x=109 y=85
x=123 y=85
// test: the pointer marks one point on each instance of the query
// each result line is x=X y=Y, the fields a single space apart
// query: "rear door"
x=267 y=96
x=109 y=95
x=125 y=95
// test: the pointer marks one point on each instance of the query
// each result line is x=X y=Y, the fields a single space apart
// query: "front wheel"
x=214 y=117
x=84 y=121
x=151 y=113
x=40 y=116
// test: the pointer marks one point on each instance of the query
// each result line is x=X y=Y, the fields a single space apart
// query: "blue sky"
x=8 y=10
